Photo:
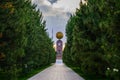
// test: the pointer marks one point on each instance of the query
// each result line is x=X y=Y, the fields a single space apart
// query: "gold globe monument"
x=59 y=45
x=59 y=35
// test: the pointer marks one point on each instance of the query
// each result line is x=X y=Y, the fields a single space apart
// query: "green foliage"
x=69 y=30
x=93 y=35
x=24 y=43
x=32 y=73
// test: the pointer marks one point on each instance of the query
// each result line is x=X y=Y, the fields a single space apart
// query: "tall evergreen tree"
x=94 y=38
x=24 y=43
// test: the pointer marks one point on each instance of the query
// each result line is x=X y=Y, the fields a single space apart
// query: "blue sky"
x=56 y=14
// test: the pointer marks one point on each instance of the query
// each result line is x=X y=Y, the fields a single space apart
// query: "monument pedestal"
x=59 y=56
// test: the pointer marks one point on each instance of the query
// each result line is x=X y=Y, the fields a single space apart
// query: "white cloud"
x=47 y=2
x=56 y=14
x=67 y=5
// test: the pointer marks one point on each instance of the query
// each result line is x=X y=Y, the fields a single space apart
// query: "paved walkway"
x=57 y=72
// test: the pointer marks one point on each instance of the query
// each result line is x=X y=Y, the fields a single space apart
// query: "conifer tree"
x=95 y=37
x=24 y=43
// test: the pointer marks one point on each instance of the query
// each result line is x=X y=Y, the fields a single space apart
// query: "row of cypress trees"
x=24 y=43
x=93 y=38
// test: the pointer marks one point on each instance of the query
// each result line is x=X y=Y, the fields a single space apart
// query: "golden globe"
x=59 y=35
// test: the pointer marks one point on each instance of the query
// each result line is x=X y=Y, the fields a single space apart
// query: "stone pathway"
x=57 y=72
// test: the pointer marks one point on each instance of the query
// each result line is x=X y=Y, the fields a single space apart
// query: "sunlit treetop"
x=8 y=6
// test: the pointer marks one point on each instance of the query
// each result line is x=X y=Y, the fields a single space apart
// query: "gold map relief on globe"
x=59 y=35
